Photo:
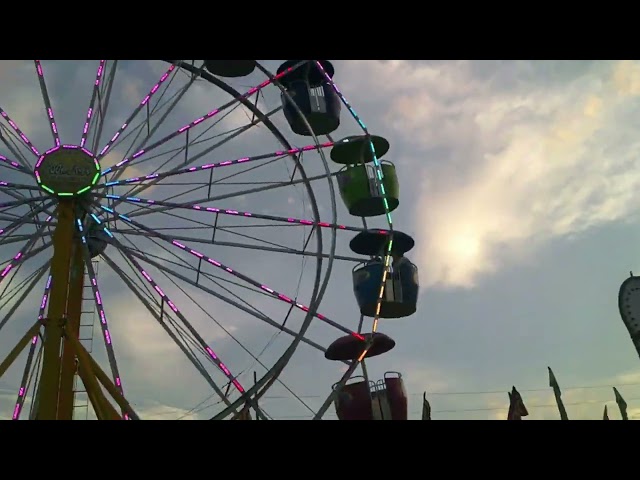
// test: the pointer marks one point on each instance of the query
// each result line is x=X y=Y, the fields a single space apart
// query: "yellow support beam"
x=103 y=408
x=102 y=377
x=74 y=312
x=63 y=239
x=23 y=342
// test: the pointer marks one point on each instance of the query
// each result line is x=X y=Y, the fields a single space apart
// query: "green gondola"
x=361 y=193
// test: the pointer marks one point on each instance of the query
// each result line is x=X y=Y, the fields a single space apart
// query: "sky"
x=516 y=182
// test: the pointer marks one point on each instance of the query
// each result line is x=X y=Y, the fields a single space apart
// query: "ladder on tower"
x=88 y=317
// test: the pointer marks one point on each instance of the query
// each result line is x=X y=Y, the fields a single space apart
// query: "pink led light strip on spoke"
x=15 y=165
x=225 y=163
x=104 y=326
x=235 y=213
x=17 y=223
x=96 y=87
x=199 y=120
x=144 y=101
x=216 y=360
x=17 y=186
x=24 y=138
x=47 y=103
x=22 y=392
x=19 y=256
x=235 y=273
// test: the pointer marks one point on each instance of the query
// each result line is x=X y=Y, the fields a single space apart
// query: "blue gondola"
x=402 y=284
x=97 y=241
x=313 y=95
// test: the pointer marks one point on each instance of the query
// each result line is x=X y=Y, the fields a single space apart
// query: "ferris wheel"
x=133 y=202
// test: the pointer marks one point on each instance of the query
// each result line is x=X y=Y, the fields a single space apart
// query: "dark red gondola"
x=383 y=400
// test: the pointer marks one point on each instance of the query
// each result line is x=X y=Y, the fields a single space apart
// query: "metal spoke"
x=22 y=392
x=23 y=220
x=221 y=211
x=238 y=342
x=104 y=326
x=237 y=274
x=259 y=316
x=238 y=193
x=182 y=263
x=229 y=135
x=47 y=104
x=175 y=100
x=103 y=107
x=208 y=150
x=211 y=354
x=8 y=185
x=32 y=280
x=209 y=166
x=160 y=320
x=15 y=165
x=22 y=136
x=238 y=245
x=144 y=101
x=21 y=253
x=178 y=313
x=94 y=94
x=199 y=120
x=13 y=147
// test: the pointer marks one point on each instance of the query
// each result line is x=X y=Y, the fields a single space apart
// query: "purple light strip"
x=24 y=138
x=96 y=86
x=235 y=273
x=8 y=185
x=199 y=120
x=104 y=326
x=16 y=223
x=22 y=392
x=236 y=213
x=217 y=165
x=13 y=164
x=144 y=101
x=47 y=103
x=175 y=309
x=18 y=256
x=165 y=297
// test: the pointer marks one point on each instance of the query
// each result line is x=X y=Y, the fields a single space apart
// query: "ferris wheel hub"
x=67 y=171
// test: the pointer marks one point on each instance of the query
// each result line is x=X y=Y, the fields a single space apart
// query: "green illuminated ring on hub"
x=67 y=171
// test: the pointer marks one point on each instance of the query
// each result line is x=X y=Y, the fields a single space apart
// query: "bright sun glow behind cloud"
x=503 y=171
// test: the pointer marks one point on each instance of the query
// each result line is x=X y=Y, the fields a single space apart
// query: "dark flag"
x=622 y=405
x=517 y=410
x=605 y=416
x=553 y=383
x=426 y=408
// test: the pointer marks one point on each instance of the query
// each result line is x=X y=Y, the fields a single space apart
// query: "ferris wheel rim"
x=272 y=375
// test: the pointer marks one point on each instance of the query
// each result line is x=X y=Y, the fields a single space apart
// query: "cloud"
x=503 y=171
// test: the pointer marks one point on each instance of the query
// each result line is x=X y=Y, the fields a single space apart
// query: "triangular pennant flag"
x=517 y=409
x=622 y=405
x=426 y=408
x=605 y=416
x=553 y=383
